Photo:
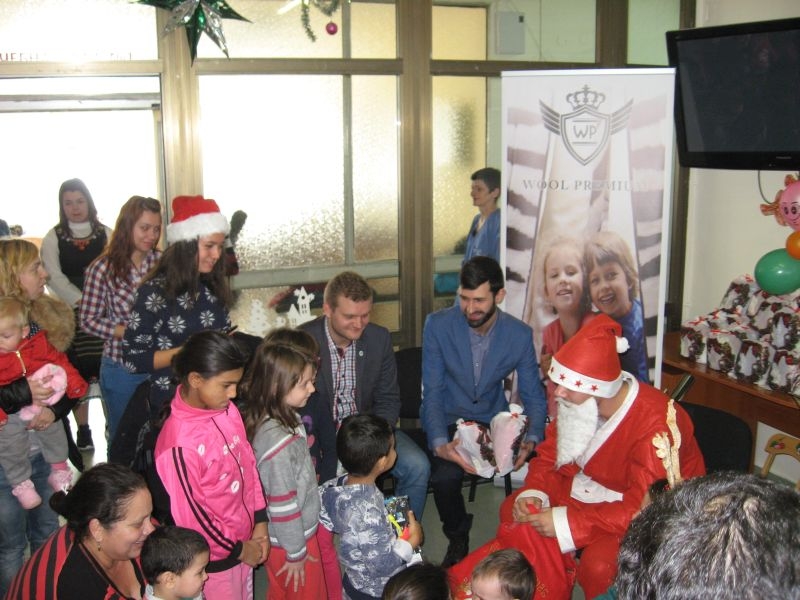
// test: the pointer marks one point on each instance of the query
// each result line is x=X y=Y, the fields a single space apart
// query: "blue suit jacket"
x=449 y=389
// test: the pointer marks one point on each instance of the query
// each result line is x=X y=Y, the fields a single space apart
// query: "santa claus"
x=612 y=438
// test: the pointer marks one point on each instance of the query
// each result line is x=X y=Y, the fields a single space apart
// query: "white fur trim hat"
x=193 y=217
x=589 y=361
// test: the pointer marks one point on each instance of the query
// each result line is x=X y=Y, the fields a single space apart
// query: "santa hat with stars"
x=589 y=361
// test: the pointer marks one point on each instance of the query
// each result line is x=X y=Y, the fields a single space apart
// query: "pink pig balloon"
x=790 y=205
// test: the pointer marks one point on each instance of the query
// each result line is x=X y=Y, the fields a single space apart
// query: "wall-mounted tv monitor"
x=737 y=95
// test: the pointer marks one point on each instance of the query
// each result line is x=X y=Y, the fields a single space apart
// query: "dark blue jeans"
x=117 y=385
x=19 y=527
x=412 y=472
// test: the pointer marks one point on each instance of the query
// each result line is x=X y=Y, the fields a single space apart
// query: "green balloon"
x=777 y=272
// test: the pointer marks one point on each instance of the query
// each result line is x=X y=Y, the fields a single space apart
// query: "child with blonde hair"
x=565 y=291
x=504 y=575
x=279 y=381
x=32 y=356
x=614 y=289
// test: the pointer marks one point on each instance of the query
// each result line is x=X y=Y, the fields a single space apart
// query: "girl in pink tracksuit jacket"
x=208 y=467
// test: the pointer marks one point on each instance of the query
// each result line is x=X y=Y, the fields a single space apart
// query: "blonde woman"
x=22 y=276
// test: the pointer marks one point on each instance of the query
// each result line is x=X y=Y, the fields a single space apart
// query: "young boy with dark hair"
x=174 y=562
x=353 y=507
x=504 y=575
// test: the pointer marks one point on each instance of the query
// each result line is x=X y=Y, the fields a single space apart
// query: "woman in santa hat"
x=187 y=292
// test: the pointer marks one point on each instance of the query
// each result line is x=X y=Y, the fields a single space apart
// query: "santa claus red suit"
x=592 y=493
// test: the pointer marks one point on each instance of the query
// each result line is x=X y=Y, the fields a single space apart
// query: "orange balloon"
x=793 y=244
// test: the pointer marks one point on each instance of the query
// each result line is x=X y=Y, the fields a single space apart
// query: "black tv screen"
x=737 y=95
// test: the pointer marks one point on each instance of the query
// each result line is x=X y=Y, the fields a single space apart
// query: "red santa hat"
x=193 y=217
x=589 y=361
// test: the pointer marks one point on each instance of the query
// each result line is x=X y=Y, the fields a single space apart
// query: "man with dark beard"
x=613 y=436
x=467 y=352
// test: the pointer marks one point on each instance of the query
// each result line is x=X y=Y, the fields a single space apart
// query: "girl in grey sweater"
x=279 y=381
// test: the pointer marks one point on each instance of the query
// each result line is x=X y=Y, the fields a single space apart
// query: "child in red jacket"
x=26 y=355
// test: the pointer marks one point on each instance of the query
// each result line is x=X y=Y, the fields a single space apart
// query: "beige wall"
x=727 y=234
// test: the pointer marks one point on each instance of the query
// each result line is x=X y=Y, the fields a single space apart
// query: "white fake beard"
x=577 y=424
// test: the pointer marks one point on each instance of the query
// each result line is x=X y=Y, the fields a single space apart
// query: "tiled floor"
x=485 y=507
x=484 y=524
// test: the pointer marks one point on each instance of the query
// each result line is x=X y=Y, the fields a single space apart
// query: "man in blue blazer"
x=467 y=352
x=358 y=374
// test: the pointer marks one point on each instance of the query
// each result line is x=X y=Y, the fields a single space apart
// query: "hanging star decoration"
x=198 y=17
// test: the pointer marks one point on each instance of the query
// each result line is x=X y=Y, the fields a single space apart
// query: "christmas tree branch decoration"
x=326 y=7
x=198 y=17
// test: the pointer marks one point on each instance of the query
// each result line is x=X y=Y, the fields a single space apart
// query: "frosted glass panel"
x=374 y=30
x=648 y=20
x=386 y=310
x=459 y=149
x=76 y=30
x=459 y=33
x=273 y=35
x=272 y=147
x=375 y=166
x=260 y=310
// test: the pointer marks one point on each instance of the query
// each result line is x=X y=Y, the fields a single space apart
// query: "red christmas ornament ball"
x=331 y=28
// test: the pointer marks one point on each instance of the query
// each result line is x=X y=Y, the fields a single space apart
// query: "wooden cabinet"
x=712 y=388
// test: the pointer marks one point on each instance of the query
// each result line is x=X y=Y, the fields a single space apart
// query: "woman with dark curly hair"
x=95 y=556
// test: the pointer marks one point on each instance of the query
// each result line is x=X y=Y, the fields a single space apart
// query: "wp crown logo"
x=585 y=130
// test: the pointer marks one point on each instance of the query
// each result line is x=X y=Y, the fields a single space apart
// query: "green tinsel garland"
x=326 y=7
